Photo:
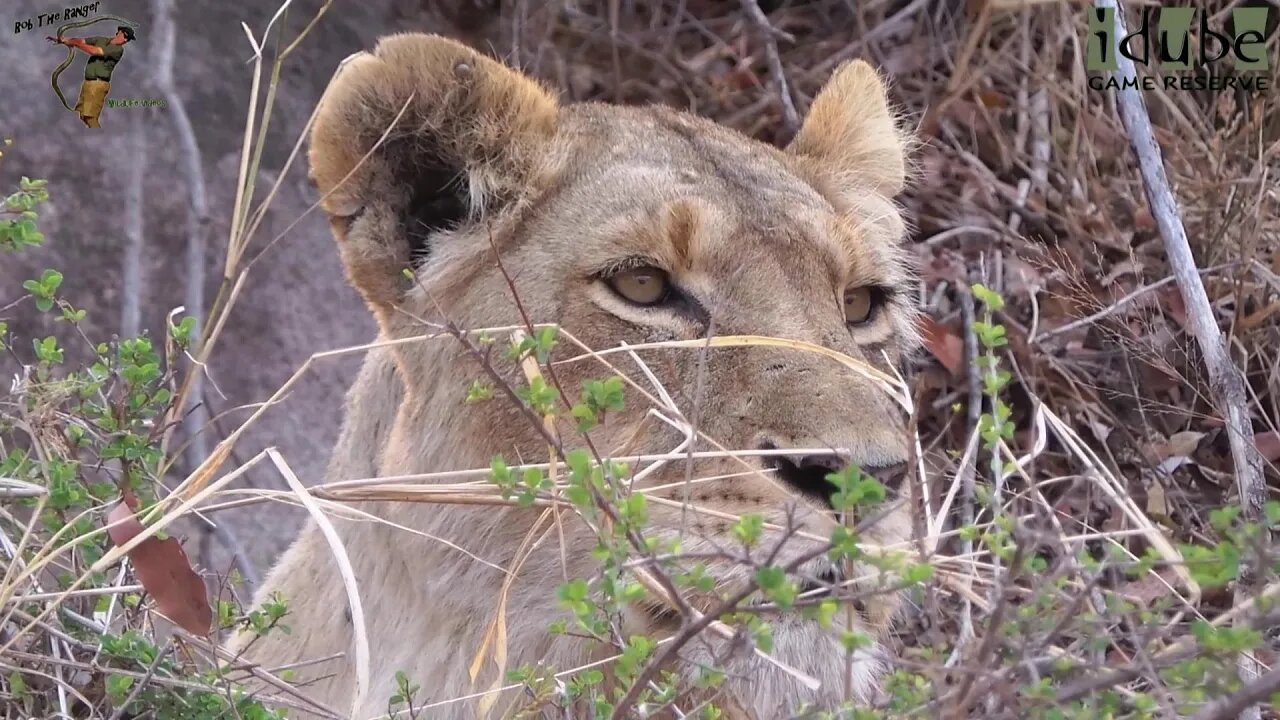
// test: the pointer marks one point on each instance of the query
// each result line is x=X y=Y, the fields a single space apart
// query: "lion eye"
x=642 y=286
x=859 y=304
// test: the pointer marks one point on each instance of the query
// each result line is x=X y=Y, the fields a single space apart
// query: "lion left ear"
x=418 y=138
x=851 y=133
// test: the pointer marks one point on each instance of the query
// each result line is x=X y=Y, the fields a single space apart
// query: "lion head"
x=627 y=226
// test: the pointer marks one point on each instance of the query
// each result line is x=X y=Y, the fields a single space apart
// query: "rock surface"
x=295 y=302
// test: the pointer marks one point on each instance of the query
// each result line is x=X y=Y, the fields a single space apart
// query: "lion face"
x=630 y=226
x=657 y=226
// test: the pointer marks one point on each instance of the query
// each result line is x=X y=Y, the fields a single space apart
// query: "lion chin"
x=619 y=226
x=803 y=663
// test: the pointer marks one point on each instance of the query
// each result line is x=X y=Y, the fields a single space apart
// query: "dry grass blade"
x=965 y=469
x=1115 y=491
x=11 y=489
x=344 y=569
x=891 y=385
x=496 y=634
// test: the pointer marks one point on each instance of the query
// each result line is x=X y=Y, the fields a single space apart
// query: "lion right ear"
x=851 y=132
x=422 y=135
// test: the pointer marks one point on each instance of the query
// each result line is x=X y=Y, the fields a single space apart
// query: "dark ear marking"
x=438 y=202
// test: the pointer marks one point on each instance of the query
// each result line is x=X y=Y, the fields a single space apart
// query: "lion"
x=454 y=186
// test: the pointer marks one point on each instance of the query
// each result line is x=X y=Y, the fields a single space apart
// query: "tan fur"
x=766 y=240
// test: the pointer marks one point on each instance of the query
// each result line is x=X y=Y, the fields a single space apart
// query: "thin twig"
x=145 y=682
x=770 y=36
x=1117 y=305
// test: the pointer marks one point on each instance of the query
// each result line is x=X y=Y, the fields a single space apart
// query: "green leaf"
x=770 y=577
x=544 y=341
x=579 y=462
x=479 y=392
x=499 y=473
x=633 y=510
x=827 y=610
x=988 y=297
x=585 y=416
x=773 y=583
x=51 y=280
x=918 y=573
x=118 y=686
x=852 y=640
x=844 y=544
x=574 y=591
x=47 y=350
x=1222 y=518
x=1214 y=566
x=749 y=528
x=17 y=685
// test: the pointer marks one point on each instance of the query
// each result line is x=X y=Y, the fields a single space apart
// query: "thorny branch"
x=1258 y=690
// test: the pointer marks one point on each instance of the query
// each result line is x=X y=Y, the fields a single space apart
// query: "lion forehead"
x=635 y=155
x=621 y=181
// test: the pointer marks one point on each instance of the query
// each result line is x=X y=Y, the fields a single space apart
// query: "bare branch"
x=1225 y=379
x=192 y=166
x=1226 y=382
x=1261 y=688
x=134 y=234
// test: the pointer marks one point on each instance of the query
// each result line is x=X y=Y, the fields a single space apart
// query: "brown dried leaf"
x=1174 y=306
x=1144 y=220
x=1021 y=277
x=164 y=570
x=1180 y=444
x=1184 y=443
x=1150 y=587
x=993 y=99
x=1268 y=443
x=943 y=344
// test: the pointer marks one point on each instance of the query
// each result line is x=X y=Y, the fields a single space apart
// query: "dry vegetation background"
x=1023 y=181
